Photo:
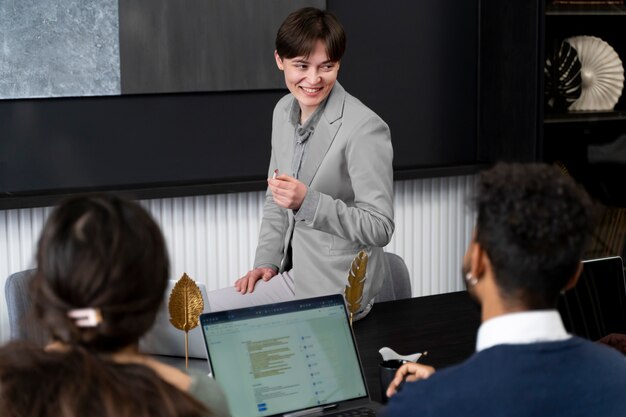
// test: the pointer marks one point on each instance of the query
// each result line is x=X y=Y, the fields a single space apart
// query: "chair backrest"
x=18 y=298
x=23 y=326
x=596 y=306
x=398 y=285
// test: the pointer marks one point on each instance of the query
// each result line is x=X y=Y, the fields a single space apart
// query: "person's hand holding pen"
x=409 y=372
x=288 y=192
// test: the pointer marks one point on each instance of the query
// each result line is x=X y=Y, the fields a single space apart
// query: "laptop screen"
x=596 y=306
x=284 y=357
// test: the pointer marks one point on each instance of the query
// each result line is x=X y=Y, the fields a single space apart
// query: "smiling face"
x=310 y=79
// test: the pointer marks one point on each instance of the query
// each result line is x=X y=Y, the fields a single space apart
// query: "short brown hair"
x=301 y=30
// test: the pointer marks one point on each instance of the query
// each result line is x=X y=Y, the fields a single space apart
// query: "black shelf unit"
x=556 y=9
x=515 y=120
x=585 y=116
x=591 y=145
x=576 y=139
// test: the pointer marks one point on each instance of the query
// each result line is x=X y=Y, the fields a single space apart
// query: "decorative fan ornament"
x=602 y=74
x=563 y=82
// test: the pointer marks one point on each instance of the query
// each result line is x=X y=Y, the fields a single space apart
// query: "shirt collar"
x=309 y=125
x=521 y=328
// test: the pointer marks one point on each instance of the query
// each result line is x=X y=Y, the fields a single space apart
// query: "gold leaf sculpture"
x=185 y=306
x=356 y=282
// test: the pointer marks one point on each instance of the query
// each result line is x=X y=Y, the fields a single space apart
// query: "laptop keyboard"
x=357 y=412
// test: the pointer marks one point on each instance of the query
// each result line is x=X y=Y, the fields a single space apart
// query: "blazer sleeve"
x=274 y=225
x=369 y=159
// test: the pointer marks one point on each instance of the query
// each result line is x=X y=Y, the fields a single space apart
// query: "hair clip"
x=86 y=317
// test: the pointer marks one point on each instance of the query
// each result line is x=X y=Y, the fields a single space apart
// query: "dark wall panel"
x=510 y=89
x=201 y=45
x=416 y=64
x=134 y=141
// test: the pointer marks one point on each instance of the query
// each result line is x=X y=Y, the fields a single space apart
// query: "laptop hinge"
x=310 y=411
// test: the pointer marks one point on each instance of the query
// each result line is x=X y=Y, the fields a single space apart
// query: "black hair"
x=533 y=221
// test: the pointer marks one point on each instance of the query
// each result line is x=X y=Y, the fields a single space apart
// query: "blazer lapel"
x=324 y=134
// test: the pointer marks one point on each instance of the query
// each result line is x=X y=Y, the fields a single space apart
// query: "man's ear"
x=480 y=264
x=478 y=260
x=279 y=61
x=574 y=279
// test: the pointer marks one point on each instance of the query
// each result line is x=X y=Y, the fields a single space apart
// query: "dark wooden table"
x=445 y=325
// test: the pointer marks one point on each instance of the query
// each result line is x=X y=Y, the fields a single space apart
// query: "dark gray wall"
x=416 y=64
x=413 y=62
x=201 y=45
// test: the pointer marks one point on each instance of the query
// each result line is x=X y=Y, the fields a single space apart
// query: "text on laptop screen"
x=283 y=357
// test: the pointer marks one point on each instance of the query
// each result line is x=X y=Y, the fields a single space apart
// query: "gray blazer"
x=348 y=169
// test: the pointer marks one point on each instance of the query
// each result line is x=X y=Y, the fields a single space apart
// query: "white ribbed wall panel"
x=433 y=227
x=213 y=238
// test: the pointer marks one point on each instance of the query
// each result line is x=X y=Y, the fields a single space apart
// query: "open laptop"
x=596 y=306
x=165 y=339
x=287 y=359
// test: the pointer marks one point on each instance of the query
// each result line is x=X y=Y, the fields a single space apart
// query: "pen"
x=275 y=174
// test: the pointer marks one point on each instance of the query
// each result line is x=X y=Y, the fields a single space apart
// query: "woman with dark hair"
x=102 y=269
x=330 y=186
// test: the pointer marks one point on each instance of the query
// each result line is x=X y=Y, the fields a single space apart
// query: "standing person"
x=102 y=270
x=330 y=191
x=530 y=233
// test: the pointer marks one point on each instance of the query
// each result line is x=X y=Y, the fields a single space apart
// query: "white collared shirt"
x=521 y=328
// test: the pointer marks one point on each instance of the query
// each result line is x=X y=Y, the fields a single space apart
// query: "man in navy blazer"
x=531 y=228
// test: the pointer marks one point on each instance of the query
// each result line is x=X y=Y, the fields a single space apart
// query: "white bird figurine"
x=389 y=354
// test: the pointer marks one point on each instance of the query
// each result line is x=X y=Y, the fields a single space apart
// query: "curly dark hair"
x=533 y=222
